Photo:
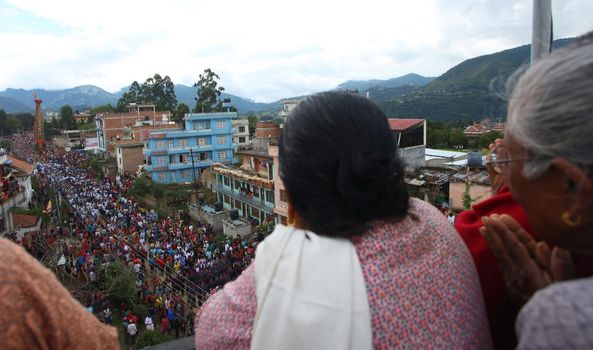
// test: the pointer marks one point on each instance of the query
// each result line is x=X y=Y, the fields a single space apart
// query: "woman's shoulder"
x=558 y=316
x=422 y=217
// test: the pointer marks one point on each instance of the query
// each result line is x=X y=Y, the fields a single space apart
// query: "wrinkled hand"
x=526 y=265
x=497 y=180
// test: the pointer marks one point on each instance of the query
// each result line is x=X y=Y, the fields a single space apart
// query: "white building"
x=20 y=192
x=240 y=132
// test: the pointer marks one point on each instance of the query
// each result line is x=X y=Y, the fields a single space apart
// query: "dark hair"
x=339 y=164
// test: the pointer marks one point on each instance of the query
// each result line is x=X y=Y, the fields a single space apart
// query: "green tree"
x=457 y=138
x=108 y=108
x=67 y=118
x=150 y=338
x=207 y=99
x=6 y=144
x=486 y=139
x=133 y=95
x=180 y=112
x=155 y=90
x=252 y=118
x=161 y=92
x=12 y=125
x=119 y=283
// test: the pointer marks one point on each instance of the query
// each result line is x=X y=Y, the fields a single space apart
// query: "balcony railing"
x=254 y=201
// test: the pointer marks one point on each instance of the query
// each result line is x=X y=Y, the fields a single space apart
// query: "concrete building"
x=128 y=154
x=410 y=138
x=241 y=136
x=179 y=156
x=250 y=194
x=16 y=189
x=281 y=203
x=111 y=127
x=288 y=104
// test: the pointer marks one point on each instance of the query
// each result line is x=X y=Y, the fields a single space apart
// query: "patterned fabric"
x=422 y=287
x=37 y=312
x=558 y=317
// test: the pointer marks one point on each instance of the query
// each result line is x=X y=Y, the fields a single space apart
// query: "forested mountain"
x=470 y=90
x=410 y=79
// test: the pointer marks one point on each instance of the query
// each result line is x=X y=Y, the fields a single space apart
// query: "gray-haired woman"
x=549 y=158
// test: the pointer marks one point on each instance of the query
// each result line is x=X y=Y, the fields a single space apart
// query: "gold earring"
x=571 y=220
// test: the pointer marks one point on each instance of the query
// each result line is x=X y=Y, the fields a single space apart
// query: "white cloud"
x=263 y=49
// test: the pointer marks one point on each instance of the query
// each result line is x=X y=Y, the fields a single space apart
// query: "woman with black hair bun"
x=361 y=264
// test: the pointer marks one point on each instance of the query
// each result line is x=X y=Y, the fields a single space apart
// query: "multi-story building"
x=288 y=105
x=112 y=127
x=129 y=156
x=241 y=136
x=179 y=156
x=249 y=193
x=281 y=204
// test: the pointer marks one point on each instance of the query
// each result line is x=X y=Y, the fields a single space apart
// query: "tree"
x=252 y=118
x=180 y=112
x=12 y=125
x=457 y=138
x=67 y=118
x=133 y=95
x=486 y=139
x=207 y=99
x=6 y=144
x=155 y=90
x=161 y=92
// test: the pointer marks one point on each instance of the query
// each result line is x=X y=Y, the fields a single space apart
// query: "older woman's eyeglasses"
x=498 y=160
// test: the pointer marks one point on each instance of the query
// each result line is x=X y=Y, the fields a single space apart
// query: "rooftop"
x=21 y=165
x=24 y=220
x=397 y=124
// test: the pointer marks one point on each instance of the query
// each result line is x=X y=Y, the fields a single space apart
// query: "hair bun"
x=363 y=176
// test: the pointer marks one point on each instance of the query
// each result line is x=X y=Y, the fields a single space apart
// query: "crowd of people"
x=103 y=226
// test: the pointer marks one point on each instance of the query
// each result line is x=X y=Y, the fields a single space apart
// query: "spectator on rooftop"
x=548 y=158
x=389 y=270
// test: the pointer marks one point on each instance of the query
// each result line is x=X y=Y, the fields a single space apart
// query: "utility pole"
x=541 y=32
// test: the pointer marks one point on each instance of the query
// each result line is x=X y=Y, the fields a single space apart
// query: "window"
x=183 y=143
x=269 y=196
x=227 y=199
x=173 y=159
x=204 y=156
x=195 y=125
x=242 y=139
x=171 y=144
x=283 y=196
x=221 y=124
x=202 y=141
x=237 y=184
x=162 y=176
x=222 y=155
x=119 y=159
x=225 y=181
x=241 y=129
x=161 y=160
x=221 y=140
x=160 y=144
x=119 y=150
x=203 y=126
x=185 y=174
x=183 y=158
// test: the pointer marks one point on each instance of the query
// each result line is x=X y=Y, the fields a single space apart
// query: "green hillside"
x=466 y=91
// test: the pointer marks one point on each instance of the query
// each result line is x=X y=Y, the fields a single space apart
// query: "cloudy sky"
x=262 y=49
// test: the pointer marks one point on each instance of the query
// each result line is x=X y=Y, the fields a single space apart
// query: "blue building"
x=179 y=156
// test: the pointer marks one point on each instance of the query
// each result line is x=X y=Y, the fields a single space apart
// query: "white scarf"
x=310 y=293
